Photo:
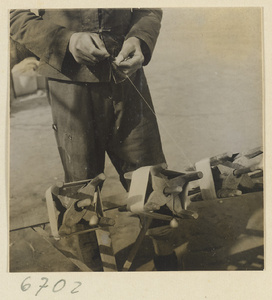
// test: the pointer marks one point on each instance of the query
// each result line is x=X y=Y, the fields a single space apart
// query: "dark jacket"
x=47 y=37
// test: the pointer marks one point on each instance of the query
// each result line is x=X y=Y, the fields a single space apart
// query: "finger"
x=119 y=59
x=99 y=43
x=126 y=64
x=129 y=69
x=87 y=59
x=129 y=72
x=124 y=53
x=99 y=54
x=135 y=60
x=91 y=52
x=88 y=52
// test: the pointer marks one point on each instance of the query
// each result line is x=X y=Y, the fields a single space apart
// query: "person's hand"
x=130 y=58
x=87 y=48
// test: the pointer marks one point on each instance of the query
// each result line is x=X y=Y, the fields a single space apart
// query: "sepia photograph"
x=136 y=140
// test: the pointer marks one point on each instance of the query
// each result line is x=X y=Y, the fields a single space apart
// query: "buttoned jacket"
x=47 y=36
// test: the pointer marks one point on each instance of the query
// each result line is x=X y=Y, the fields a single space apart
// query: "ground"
x=206 y=84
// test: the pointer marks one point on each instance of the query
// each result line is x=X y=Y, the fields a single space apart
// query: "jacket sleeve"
x=146 y=24
x=46 y=40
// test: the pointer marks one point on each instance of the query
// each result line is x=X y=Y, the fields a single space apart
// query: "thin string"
x=161 y=123
x=125 y=76
x=111 y=59
x=169 y=135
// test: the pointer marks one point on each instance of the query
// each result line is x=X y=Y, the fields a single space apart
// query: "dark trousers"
x=90 y=119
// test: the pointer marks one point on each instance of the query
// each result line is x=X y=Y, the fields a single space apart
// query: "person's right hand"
x=87 y=48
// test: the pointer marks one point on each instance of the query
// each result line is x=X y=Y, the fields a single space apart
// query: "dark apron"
x=90 y=119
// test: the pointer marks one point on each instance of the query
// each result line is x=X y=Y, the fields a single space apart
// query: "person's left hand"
x=130 y=58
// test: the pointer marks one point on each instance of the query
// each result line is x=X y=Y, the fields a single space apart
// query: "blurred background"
x=206 y=82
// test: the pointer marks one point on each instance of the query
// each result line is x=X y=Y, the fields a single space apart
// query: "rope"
x=161 y=123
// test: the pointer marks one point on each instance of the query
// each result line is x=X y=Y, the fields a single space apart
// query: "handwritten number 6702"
x=60 y=285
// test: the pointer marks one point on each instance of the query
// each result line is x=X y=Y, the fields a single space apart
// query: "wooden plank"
x=31 y=252
x=36 y=215
x=75 y=261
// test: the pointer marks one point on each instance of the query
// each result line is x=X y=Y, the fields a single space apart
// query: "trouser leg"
x=163 y=238
x=136 y=140
x=89 y=119
x=82 y=117
x=137 y=143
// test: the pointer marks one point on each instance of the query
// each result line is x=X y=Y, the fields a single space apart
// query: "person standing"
x=87 y=54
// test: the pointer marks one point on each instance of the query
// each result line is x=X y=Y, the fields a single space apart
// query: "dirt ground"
x=206 y=83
